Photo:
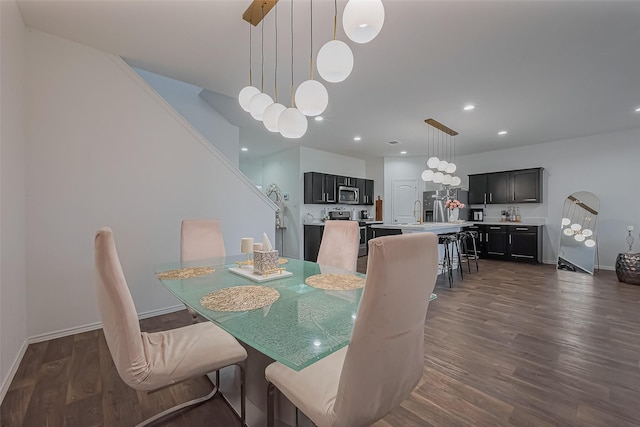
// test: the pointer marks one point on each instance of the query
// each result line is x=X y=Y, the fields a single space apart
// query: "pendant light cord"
x=250 y=66
x=311 y=43
x=335 y=17
x=262 y=76
x=292 y=99
x=275 y=75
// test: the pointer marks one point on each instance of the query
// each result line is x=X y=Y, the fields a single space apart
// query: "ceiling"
x=542 y=70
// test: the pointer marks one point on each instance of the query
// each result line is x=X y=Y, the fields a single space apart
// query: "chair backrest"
x=200 y=239
x=118 y=312
x=385 y=358
x=339 y=246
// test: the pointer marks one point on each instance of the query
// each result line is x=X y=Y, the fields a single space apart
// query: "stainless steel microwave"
x=348 y=195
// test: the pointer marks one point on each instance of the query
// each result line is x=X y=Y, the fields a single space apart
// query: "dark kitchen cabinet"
x=525 y=243
x=525 y=186
x=518 y=186
x=365 y=188
x=312 y=240
x=347 y=181
x=319 y=188
x=498 y=187
x=495 y=243
x=477 y=189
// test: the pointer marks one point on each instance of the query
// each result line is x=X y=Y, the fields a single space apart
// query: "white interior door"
x=404 y=193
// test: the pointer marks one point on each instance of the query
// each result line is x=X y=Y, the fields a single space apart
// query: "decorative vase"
x=628 y=268
x=453 y=214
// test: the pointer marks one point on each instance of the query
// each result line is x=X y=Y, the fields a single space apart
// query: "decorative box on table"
x=265 y=261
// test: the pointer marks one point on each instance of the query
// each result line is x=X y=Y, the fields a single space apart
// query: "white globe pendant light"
x=311 y=98
x=446 y=179
x=427 y=175
x=455 y=181
x=272 y=115
x=451 y=168
x=438 y=177
x=335 y=61
x=245 y=95
x=292 y=123
x=258 y=104
x=590 y=243
x=433 y=162
x=579 y=237
x=568 y=232
x=587 y=233
x=576 y=227
x=442 y=166
x=566 y=221
x=362 y=20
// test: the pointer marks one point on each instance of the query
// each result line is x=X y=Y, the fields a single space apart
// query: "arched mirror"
x=578 y=241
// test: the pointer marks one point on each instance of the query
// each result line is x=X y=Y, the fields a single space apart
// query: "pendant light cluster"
x=440 y=142
x=580 y=225
x=362 y=21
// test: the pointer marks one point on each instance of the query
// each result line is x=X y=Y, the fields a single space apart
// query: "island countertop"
x=433 y=227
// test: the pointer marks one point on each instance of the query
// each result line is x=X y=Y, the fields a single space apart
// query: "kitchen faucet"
x=419 y=217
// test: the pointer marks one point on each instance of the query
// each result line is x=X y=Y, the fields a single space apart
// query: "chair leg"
x=475 y=252
x=179 y=407
x=271 y=391
x=243 y=408
x=455 y=244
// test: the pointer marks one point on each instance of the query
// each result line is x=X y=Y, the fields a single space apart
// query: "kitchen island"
x=380 y=230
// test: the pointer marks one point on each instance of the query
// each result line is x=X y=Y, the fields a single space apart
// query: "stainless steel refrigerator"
x=433 y=204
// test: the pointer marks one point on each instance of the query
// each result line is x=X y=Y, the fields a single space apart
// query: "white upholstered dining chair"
x=200 y=239
x=361 y=383
x=339 y=246
x=151 y=361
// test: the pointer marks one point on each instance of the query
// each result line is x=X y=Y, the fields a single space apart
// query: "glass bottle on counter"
x=513 y=214
x=518 y=218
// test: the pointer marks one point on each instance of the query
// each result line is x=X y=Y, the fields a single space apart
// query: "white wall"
x=283 y=169
x=185 y=98
x=105 y=150
x=606 y=165
x=13 y=320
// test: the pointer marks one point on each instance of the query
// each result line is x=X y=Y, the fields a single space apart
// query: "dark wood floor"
x=514 y=344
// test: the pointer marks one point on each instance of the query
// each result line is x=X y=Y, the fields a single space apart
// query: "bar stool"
x=449 y=243
x=464 y=237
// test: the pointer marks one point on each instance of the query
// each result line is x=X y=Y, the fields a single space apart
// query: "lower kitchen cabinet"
x=495 y=245
x=508 y=242
x=525 y=243
x=312 y=239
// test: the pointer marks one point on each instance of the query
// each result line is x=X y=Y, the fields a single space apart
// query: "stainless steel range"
x=346 y=216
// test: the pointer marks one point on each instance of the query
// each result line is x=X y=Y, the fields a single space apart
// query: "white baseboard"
x=6 y=382
x=98 y=325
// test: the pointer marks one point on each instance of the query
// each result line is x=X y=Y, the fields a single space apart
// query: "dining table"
x=301 y=326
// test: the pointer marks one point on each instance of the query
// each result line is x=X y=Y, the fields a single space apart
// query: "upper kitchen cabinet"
x=477 y=189
x=518 y=186
x=319 y=188
x=526 y=186
x=347 y=181
x=365 y=188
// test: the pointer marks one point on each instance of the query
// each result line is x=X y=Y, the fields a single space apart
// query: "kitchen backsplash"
x=316 y=211
x=531 y=213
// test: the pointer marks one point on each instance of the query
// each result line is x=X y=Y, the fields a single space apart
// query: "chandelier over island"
x=440 y=155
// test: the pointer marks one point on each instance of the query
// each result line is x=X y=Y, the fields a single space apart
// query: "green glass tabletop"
x=301 y=327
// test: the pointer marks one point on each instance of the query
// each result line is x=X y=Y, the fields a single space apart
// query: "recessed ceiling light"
x=469 y=107
x=244 y=149
x=357 y=138
x=319 y=118
x=502 y=132
x=638 y=110
x=403 y=152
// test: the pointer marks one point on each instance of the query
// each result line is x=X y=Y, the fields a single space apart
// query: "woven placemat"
x=335 y=282
x=282 y=261
x=185 y=273
x=240 y=298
